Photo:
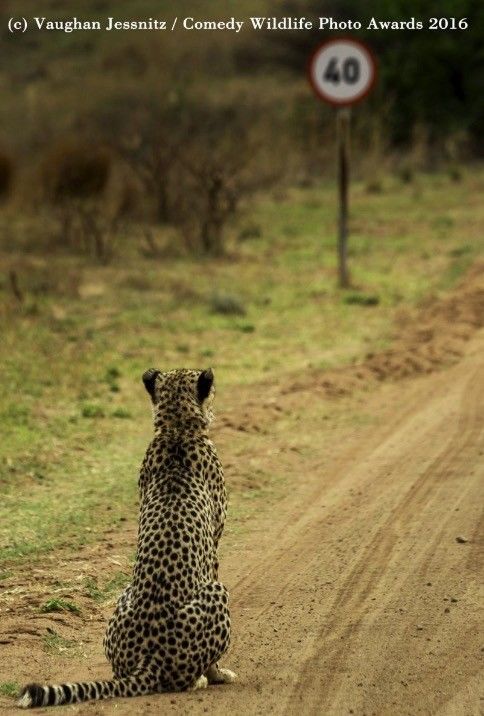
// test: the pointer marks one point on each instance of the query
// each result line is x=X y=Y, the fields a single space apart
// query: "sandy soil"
x=357 y=592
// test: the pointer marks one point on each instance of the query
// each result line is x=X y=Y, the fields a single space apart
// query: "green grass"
x=59 y=605
x=75 y=417
x=111 y=588
x=54 y=643
x=9 y=688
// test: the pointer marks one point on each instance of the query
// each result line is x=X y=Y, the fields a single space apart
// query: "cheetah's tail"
x=34 y=695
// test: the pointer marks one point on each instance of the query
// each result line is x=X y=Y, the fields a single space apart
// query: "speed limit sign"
x=342 y=71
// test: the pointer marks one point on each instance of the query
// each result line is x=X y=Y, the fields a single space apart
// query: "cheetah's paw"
x=217 y=675
x=200 y=683
x=228 y=676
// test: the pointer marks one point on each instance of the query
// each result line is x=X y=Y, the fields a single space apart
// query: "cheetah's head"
x=180 y=397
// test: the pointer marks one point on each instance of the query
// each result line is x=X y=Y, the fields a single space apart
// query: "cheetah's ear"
x=149 y=378
x=204 y=384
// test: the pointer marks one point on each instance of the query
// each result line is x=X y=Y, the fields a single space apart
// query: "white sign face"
x=342 y=71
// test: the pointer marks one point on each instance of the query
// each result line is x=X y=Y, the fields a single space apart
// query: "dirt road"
x=357 y=597
x=358 y=592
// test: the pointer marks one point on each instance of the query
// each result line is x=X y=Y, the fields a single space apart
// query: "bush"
x=222 y=163
x=76 y=181
x=75 y=171
x=88 y=228
x=356 y=298
x=227 y=305
x=196 y=158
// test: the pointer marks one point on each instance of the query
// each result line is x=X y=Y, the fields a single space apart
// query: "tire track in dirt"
x=461 y=433
x=363 y=580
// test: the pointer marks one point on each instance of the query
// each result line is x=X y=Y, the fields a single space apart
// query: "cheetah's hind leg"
x=216 y=675
x=206 y=623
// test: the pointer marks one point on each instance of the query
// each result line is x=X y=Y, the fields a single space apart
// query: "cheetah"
x=171 y=624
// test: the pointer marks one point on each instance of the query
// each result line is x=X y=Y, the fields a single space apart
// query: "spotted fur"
x=171 y=625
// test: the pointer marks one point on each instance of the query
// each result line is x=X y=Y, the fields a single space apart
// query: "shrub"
x=197 y=159
x=75 y=180
x=75 y=171
x=361 y=299
x=222 y=163
x=227 y=304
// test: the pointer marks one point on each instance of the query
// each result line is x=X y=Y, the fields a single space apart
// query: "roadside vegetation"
x=76 y=336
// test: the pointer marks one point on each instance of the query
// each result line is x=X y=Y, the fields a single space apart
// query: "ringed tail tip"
x=30 y=696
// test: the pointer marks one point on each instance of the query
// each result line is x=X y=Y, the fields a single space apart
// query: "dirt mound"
x=434 y=335
x=430 y=337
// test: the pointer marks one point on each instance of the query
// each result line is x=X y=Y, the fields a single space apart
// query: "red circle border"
x=342 y=103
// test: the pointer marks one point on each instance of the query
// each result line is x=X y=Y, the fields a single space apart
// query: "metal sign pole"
x=343 y=139
x=342 y=72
